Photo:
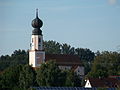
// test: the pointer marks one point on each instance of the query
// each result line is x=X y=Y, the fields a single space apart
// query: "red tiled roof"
x=104 y=82
x=117 y=77
x=63 y=59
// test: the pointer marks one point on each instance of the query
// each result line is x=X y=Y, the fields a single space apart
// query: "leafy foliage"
x=27 y=77
x=107 y=63
x=9 y=78
x=17 y=77
x=14 y=75
x=49 y=75
x=85 y=54
x=69 y=79
x=53 y=47
x=72 y=79
x=18 y=57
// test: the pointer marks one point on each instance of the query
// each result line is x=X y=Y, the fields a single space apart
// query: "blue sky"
x=93 y=24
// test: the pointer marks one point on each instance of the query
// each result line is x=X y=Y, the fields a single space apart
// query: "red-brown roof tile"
x=63 y=59
x=104 y=82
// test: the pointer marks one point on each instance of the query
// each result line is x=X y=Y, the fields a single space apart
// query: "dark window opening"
x=32 y=39
x=39 y=40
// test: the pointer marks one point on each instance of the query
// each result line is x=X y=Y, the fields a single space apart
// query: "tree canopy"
x=53 y=47
x=49 y=74
x=27 y=77
x=18 y=57
x=9 y=77
x=106 y=64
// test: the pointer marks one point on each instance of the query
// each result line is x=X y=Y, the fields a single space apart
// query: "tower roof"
x=37 y=24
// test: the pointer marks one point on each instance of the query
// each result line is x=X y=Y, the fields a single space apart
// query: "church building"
x=37 y=54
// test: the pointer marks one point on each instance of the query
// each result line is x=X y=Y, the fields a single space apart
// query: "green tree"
x=72 y=79
x=69 y=79
x=106 y=64
x=72 y=51
x=52 y=47
x=27 y=77
x=87 y=57
x=85 y=54
x=49 y=74
x=18 y=57
x=66 y=48
x=4 y=62
x=9 y=78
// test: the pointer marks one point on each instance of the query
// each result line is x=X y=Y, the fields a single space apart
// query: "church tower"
x=36 y=52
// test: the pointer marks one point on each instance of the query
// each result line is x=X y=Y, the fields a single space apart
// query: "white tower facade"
x=36 y=52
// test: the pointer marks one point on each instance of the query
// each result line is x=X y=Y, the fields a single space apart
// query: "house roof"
x=104 y=82
x=63 y=59
x=117 y=77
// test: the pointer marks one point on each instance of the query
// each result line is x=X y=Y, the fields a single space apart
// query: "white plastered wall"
x=32 y=58
x=87 y=84
x=35 y=44
x=65 y=67
x=80 y=70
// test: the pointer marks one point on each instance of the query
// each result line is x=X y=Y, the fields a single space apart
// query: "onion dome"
x=36 y=32
x=37 y=24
